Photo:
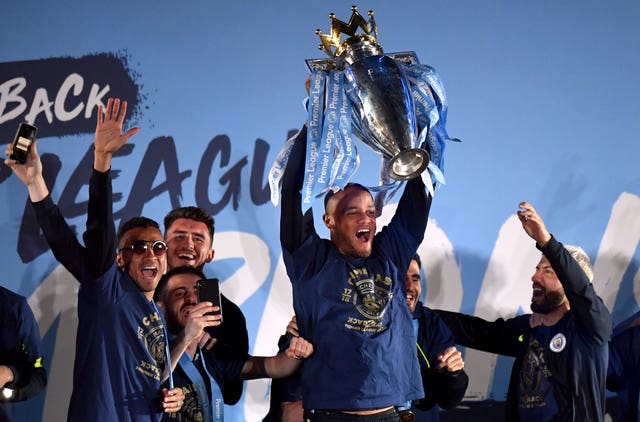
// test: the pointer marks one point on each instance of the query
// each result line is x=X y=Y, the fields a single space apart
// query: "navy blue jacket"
x=20 y=350
x=578 y=370
x=442 y=389
x=623 y=375
x=120 y=343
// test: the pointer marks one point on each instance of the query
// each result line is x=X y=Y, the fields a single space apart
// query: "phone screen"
x=209 y=290
x=25 y=136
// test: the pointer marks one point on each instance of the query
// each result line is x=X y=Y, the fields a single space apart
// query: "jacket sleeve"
x=504 y=337
x=586 y=305
x=444 y=388
x=400 y=239
x=232 y=341
x=441 y=387
x=61 y=239
x=30 y=376
x=295 y=227
x=413 y=209
x=100 y=236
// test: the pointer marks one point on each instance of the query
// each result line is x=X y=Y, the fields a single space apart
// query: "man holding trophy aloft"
x=349 y=292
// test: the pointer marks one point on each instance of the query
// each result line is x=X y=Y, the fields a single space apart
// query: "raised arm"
x=193 y=334
x=99 y=237
x=294 y=226
x=408 y=223
x=413 y=208
x=29 y=173
x=590 y=311
x=61 y=239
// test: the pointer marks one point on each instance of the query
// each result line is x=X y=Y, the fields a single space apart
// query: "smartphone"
x=209 y=290
x=25 y=136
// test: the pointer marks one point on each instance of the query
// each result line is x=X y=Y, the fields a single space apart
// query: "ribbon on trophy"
x=331 y=157
x=393 y=103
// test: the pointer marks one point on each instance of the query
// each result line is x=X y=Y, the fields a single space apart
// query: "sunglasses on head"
x=140 y=247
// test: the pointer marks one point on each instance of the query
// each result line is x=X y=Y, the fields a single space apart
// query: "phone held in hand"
x=25 y=136
x=209 y=290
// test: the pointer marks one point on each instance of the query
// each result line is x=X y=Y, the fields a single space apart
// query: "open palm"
x=108 y=136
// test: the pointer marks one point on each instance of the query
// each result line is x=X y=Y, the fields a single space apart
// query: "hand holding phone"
x=25 y=136
x=209 y=291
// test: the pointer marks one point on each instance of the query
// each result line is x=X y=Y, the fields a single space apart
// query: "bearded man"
x=560 y=349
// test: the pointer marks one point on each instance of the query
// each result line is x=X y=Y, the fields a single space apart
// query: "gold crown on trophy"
x=332 y=44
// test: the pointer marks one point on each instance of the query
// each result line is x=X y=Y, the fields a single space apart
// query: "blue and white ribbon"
x=332 y=158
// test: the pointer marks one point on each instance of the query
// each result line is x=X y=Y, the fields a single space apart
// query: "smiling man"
x=560 y=349
x=441 y=365
x=189 y=234
x=121 y=346
x=349 y=298
x=201 y=372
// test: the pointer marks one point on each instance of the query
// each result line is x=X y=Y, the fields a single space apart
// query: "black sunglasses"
x=140 y=247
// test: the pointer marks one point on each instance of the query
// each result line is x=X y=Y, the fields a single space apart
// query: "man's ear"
x=120 y=260
x=210 y=256
x=328 y=221
x=161 y=306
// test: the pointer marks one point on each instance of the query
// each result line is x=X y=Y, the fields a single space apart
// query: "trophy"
x=393 y=103
x=381 y=101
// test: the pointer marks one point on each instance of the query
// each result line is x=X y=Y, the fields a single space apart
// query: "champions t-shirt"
x=354 y=313
x=120 y=352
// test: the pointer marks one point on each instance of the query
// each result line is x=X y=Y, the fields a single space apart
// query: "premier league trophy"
x=393 y=103
x=379 y=93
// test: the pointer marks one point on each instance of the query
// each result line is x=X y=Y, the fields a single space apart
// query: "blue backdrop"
x=544 y=96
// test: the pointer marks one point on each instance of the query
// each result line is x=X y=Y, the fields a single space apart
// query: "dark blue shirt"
x=623 y=375
x=572 y=355
x=20 y=350
x=353 y=310
x=120 y=343
x=442 y=389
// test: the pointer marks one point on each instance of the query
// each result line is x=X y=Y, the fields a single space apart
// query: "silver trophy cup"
x=382 y=104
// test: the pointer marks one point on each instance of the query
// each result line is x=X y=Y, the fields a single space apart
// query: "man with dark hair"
x=121 y=346
x=201 y=372
x=188 y=232
x=348 y=296
x=560 y=349
x=22 y=374
x=441 y=365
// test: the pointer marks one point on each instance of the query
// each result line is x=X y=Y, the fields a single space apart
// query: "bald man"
x=349 y=295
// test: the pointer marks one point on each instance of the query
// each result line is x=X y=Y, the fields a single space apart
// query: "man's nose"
x=536 y=277
x=149 y=251
x=187 y=239
x=192 y=296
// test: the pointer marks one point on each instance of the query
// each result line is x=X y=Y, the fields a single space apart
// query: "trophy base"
x=408 y=164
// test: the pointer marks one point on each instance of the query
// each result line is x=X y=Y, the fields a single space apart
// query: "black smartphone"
x=25 y=136
x=209 y=290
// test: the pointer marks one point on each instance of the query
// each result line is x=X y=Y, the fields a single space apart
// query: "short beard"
x=552 y=301
x=173 y=323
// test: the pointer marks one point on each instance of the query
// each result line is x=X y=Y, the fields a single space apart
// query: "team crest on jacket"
x=371 y=301
x=558 y=342
x=372 y=293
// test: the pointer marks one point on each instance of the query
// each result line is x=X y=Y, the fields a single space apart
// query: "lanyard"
x=420 y=351
x=167 y=350
x=208 y=414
